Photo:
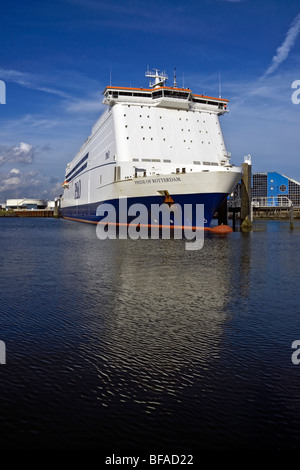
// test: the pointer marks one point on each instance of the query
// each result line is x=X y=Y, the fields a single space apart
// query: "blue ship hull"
x=211 y=202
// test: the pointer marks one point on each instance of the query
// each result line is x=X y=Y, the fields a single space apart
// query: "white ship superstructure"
x=152 y=145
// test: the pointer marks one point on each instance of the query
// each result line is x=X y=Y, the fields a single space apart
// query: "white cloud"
x=283 y=51
x=67 y=84
x=23 y=148
x=82 y=97
x=24 y=153
x=28 y=184
x=9 y=183
x=263 y=121
x=84 y=105
x=31 y=81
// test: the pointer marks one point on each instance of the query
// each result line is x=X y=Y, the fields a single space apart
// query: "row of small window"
x=143 y=116
x=142 y=127
x=162 y=128
x=160 y=117
x=144 y=138
x=151 y=138
x=180 y=119
x=164 y=93
x=150 y=160
x=169 y=161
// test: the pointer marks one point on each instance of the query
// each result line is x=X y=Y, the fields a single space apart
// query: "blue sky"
x=56 y=59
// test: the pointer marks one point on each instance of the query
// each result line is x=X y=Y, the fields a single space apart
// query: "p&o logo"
x=77 y=191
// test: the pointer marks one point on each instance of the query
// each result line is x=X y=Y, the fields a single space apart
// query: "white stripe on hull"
x=179 y=183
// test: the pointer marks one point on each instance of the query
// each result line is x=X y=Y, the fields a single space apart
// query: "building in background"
x=29 y=204
x=275 y=185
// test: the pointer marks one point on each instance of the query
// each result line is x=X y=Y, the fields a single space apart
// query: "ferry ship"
x=152 y=146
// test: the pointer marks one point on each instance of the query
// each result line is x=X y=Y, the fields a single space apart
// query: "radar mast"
x=159 y=78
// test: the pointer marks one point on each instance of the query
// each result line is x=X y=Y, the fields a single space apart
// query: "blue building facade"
x=275 y=186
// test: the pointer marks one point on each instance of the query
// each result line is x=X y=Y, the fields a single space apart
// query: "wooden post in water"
x=246 y=197
x=56 y=212
x=292 y=217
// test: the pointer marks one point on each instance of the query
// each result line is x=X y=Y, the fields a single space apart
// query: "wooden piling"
x=292 y=217
x=56 y=212
x=246 y=197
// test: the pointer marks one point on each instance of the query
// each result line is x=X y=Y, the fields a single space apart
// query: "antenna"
x=183 y=80
x=110 y=76
x=219 y=84
x=175 y=82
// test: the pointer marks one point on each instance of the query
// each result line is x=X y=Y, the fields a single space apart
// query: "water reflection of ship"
x=167 y=317
x=156 y=301
x=152 y=323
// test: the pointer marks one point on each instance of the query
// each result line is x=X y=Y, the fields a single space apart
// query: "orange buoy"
x=221 y=229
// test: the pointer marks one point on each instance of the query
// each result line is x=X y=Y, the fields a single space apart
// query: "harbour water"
x=128 y=346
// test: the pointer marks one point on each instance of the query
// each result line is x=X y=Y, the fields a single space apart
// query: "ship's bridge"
x=162 y=96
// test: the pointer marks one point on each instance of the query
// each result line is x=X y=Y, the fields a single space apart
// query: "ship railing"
x=271 y=201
